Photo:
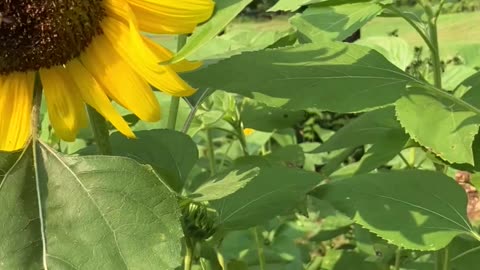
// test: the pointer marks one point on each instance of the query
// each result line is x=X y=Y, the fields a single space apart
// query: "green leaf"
x=372 y=127
x=291 y=5
x=446 y=128
x=225 y=11
x=455 y=75
x=470 y=54
x=94 y=212
x=464 y=253
x=470 y=89
x=224 y=184
x=379 y=128
x=260 y=117
x=420 y=210
x=334 y=76
x=381 y=153
x=335 y=22
x=240 y=39
x=172 y=154
x=275 y=191
x=395 y=49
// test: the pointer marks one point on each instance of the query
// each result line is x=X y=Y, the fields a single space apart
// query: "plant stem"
x=398 y=256
x=220 y=259
x=315 y=264
x=189 y=253
x=211 y=152
x=413 y=24
x=243 y=140
x=402 y=157
x=260 y=251
x=446 y=259
x=439 y=92
x=35 y=128
x=173 y=113
x=36 y=107
x=100 y=131
x=437 y=64
x=433 y=38
x=175 y=101
x=442 y=260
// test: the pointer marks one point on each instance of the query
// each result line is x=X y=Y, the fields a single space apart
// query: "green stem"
x=100 y=131
x=413 y=24
x=260 y=251
x=211 y=152
x=189 y=254
x=35 y=126
x=243 y=140
x=315 y=264
x=402 y=157
x=446 y=259
x=36 y=107
x=398 y=257
x=442 y=260
x=437 y=64
x=173 y=113
x=439 y=10
x=221 y=259
x=175 y=101
x=438 y=92
x=434 y=48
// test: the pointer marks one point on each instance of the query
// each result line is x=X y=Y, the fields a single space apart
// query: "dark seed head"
x=38 y=34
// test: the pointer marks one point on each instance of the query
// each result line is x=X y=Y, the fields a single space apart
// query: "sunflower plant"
x=156 y=134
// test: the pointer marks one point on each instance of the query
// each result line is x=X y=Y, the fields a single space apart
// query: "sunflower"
x=88 y=52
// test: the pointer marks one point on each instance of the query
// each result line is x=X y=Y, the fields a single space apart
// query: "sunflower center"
x=38 y=34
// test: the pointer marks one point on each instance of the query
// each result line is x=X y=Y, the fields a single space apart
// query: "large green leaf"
x=395 y=49
x=335 y=22
x=275 y=191
x=260 y=117
x=225 y=11
x=464 y=253
x=239 y=39
x=224 y=184
x=172 y=154
x=414 y=209
x=291 y=5
x=439 y=124
x=379 y=128
x=94 y=212
x=370 y=128
x=454 y=75
x=333 y=76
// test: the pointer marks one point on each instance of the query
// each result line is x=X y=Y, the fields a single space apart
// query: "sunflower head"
x=89 y=52
x=42 y=34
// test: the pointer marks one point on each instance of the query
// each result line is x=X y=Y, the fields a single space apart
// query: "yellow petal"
x=93 y=94
x=119 y=80
x=171 y=16
x=66 y=109
x=164 y=55
x=15 y=109
x=139 y=56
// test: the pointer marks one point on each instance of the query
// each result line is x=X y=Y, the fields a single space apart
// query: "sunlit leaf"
x=414 y=209
x=443 y=126
x=334 y=76
x=334 y=22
